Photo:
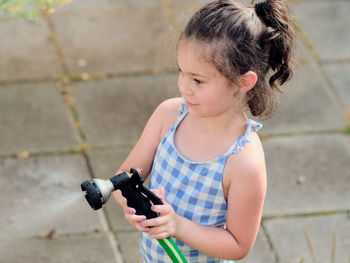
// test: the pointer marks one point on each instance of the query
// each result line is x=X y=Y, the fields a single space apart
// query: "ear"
x=247 y=81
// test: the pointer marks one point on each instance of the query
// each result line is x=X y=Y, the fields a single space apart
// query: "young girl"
x=202 y=152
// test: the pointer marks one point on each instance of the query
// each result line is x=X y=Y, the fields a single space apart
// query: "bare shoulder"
x=142 y=154
x=246 y=166
x=167 y=112
x=170 y=105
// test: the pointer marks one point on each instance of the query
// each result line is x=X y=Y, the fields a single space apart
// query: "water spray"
x=98 y=191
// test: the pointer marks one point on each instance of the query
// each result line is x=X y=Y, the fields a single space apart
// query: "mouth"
x=191 y=104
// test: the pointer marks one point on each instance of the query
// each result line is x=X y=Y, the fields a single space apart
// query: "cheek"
x=210 y=100
x=217 y=100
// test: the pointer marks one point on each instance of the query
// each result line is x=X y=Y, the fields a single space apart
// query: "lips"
x=190 y=104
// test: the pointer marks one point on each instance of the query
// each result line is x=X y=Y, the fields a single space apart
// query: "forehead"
x=192 y=53
x=193 y=48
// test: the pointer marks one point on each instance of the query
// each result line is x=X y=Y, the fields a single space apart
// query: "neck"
x=223 y=122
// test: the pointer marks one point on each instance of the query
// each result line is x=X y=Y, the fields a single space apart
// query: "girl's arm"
x=142 y=154
x=246 y=186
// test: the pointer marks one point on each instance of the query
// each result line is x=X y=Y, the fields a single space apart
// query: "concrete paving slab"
x=26 y=50
x=101 y=5
x=307 y=174
x=71 y=249
x=320 y=239
x=39 y=194
x=121 y=106
x=306 y=105
x=33 y=118
x=116 y=41
x=331 y=19
x=302 y=54
x=129 y=246
x=339 y=76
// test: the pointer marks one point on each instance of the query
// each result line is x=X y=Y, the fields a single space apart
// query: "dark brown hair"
x=242 y=38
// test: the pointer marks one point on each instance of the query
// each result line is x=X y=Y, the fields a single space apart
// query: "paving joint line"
x=73 y=151
x=310 y=245
x=5 y=83
x=86 y=148
x=264 y=137
x=53 y=38
x=336 y=61
x=330 y=87
x=70 y=103
x=333 y=93
x=86 y=77
x=307 y=42
x=270 y=242
x=70 y=235
x=25 y=154
x=267 y=218
x=306 y=214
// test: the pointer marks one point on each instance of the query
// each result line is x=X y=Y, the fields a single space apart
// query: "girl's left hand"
x=166 y=224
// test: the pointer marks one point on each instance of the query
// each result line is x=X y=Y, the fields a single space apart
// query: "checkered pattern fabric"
x=194 y=189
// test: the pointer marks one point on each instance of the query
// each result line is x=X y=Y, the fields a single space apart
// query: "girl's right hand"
x=132 y=218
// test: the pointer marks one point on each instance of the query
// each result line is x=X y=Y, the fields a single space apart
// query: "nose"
x=185 y=86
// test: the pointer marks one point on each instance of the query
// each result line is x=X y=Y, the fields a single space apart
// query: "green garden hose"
x=172 y=250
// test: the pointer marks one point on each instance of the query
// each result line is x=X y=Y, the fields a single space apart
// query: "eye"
x=198 y=82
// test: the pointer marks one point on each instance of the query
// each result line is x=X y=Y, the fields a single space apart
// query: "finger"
x=161 y=209
x=141 y=227
x=155 y=222
x=135 y=218
x=129 y=210
x=137 y=222
x=158 y=229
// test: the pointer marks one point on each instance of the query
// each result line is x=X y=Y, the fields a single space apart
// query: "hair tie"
x=262 y=11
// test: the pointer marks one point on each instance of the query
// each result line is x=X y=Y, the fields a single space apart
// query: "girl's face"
x=206 y=92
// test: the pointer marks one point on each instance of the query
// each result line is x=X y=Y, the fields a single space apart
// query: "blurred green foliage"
x=347 y=129
x=29 y=9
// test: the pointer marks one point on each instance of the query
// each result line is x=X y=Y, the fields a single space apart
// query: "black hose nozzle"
x=130 y=184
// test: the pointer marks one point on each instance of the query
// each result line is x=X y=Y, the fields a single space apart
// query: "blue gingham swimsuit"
x=194 y=189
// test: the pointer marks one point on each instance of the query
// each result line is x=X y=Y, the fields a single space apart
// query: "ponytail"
x=279 y=36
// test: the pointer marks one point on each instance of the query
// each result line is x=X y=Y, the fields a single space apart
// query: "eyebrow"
x=191 y=73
